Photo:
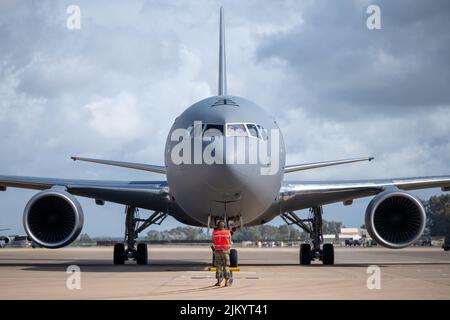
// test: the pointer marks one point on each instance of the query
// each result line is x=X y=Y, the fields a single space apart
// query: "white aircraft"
x=199 y=191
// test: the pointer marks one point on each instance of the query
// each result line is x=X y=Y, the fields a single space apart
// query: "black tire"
x=142 y=254
x=328 y=254
x=305 y=254
x=119 y=253
x=447 y=249
x=233 y=258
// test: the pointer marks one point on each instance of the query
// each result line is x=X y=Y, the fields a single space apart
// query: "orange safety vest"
x=222 y=240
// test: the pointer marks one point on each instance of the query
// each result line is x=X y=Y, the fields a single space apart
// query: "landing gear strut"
x=133 y=226
x=312 y=226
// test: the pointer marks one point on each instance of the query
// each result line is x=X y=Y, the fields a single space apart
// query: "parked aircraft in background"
x=14 y=240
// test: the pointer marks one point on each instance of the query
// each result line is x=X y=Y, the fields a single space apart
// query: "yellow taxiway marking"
x=231 y=269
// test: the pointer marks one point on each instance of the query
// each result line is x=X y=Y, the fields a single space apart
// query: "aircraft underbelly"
x=215 y=192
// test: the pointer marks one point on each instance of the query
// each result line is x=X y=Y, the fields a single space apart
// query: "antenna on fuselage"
x=222 y=59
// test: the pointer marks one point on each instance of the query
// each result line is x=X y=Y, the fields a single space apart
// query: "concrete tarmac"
x=181 y=272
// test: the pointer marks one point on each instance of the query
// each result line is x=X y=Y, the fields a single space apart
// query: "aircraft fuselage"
x=225 y=157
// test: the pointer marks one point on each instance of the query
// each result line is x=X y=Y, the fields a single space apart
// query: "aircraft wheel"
x=328 y=254
x=119 y=253
x=142 y=254
x=305 y=254
x=233 y=258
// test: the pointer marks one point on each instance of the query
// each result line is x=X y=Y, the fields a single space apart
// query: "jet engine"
x=395 y=219
x=53 y=218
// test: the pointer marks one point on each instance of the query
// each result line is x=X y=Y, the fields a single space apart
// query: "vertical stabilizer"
x=222 y=59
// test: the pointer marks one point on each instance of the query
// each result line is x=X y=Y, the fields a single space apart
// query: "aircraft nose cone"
x=227 y=182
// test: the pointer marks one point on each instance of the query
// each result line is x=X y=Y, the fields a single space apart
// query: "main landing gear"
x=312 y=226
x=133 y=226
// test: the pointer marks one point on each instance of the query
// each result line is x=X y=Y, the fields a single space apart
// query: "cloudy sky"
x=112 y=89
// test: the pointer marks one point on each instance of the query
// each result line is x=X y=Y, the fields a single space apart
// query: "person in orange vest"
x=222 y=245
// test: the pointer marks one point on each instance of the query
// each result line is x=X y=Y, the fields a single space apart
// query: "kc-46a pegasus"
x=224 y=159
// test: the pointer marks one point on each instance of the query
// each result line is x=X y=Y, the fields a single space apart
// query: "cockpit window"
x=212 y=130
x=236 y=130
x=252 y=130
x=232 y=130
x=263 y=132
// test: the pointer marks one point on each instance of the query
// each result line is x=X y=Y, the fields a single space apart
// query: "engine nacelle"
x=395 y=219
x=53 y=218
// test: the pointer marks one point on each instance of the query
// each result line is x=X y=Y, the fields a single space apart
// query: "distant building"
x=329 y=238
x=352 y=234
x=247 y=243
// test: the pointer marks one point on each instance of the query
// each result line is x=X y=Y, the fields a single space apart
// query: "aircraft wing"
x=152 y=195
x=297 y=195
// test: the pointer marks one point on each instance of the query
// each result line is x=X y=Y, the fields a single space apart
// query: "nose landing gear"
x=133 y=226
x=232 y=223
x=233 y=258
x=312 y=226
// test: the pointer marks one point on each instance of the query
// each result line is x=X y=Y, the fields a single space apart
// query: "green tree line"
x=438 y=215
x=257 y=233
x=438 y=224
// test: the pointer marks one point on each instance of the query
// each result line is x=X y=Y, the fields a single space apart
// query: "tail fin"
x=222 y=59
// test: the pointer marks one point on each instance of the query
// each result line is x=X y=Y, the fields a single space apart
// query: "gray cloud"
x=342 y=67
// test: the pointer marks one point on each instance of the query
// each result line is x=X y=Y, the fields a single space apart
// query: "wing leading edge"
x=314 y=165
x=151 y=195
